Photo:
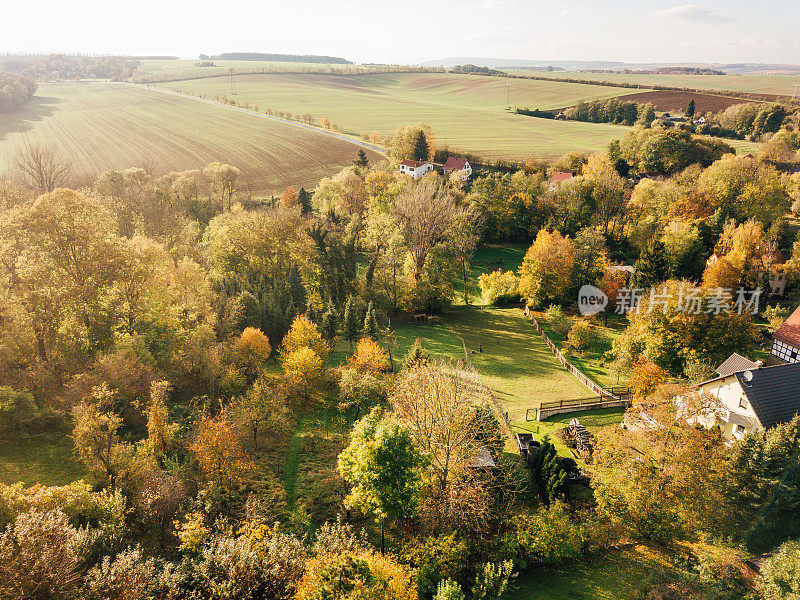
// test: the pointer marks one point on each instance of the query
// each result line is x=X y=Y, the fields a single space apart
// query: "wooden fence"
x=604 y=397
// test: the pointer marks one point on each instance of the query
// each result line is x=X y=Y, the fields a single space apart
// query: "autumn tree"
x=304 y=334
x=223 y=179
x=261 y=408
x=96 y=433
x=219 y=454
x=385 y=468
x=159 y=432
x=426 y=211
x=546 y=269
x=369 y=357
x=408 y=141
x=289 y=197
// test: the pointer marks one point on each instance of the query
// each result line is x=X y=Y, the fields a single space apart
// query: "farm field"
x=174 y=69
x=101 y=126
x=755 y=84
x=466 y=112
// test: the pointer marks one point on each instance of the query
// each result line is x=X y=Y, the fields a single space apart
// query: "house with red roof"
x=453 y=164
x=786 y=340
x=414 y=168
x=558 y=178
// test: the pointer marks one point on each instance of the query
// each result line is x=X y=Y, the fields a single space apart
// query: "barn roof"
x=789 y=332
x=455 y=164
x=773 y=392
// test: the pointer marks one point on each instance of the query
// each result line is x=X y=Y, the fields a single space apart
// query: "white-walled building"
x=415 y=168
x=786 y=340
x=751 y=397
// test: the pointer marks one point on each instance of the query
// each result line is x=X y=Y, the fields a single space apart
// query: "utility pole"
x=233 y=83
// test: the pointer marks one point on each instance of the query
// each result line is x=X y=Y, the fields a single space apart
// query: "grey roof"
x=773 y=392
x=735 y=363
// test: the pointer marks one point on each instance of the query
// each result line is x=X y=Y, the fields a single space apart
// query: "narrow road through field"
x=338 y=136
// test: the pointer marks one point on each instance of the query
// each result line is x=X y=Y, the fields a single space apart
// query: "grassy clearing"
x=593 y=362
x=613 y=575
x=48 y=459
x=101 y=126
x=466 y=112
x=756 y=84
x=488 y=258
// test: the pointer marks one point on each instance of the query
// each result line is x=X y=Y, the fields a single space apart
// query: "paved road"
x=338 y=136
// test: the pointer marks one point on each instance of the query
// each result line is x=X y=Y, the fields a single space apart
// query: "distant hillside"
x=610 y=66
x=306 y=58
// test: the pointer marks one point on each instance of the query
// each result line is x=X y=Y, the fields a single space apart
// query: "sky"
x=413 y=31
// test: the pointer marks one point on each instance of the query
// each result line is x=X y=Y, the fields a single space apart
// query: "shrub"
x=499 y=288
x=369 y=357
x=16 y=408
x=76 y=500
x=41 y=556
x=130 y=576
x=353 y=576
x=558 y=321
x=549 y=536
x=780 y=576
x=580 y=338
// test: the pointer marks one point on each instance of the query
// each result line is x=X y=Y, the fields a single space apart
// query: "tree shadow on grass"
x=22 y=121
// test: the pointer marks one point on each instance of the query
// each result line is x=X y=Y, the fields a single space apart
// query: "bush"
x=76 y=500
x=16 y=409
x=130 y=576
x=549 y=536
x=41 y=556
x=581 y=337
x=558 y=321
x=499 y=288
x=780 y=577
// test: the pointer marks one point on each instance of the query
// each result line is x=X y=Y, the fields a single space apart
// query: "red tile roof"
x=560 y=176
x=455 y=164
x=412 y=163
x=789 y=332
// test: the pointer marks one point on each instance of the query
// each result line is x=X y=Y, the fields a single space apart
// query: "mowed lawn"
x=101 y=126
x=48 y=459
x=612 y=575
x=466 y=112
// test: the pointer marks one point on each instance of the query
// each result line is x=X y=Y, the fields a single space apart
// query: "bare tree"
x=41 y=168
x=439 y=404
x=425 y=211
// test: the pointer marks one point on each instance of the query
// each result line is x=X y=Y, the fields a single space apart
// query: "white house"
x=415 y=168
x=786 y=340
x=453 y=164
x=750 y=396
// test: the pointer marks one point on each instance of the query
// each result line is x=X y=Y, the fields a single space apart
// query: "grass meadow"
x=101 y=126
x=466 y=112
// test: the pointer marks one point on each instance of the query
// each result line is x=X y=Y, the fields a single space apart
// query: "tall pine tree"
x=304 y=200
x=330 y=322
x=370 y=322
x=652 y=267
x=421 y=150
x=690 y=109
x=350 y=322
x=361 y=159
x=417 y=356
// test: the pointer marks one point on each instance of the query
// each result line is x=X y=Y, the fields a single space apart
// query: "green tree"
x=420 y=149
x=384 y=466
x=330 y=322
x=780 y=519
x=690 y=109
x=370 y=322
x=350 y=326
x=304 y=200
x=652 y=266
x=417 y=356
x=361 y=160
x=780 y=577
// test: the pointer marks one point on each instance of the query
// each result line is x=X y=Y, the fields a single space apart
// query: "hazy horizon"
x=415 y=31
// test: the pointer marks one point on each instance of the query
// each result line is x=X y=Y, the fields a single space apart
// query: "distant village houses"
x=417 y=168
x=558 y=178
x=458 y=164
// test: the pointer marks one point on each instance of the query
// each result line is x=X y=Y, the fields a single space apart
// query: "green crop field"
x=158 y=69
x=466 y=112
x=756 y=84
x=101 y=126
